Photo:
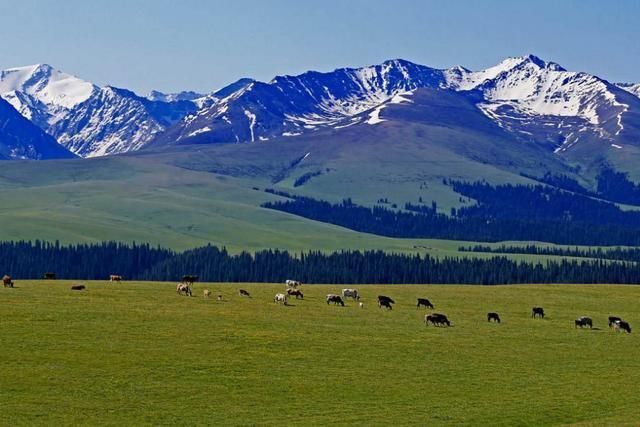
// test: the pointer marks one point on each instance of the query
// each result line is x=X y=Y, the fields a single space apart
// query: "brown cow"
x=115 y=278
x=7 y=282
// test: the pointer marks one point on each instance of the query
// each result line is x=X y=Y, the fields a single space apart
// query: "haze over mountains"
x=529 y=99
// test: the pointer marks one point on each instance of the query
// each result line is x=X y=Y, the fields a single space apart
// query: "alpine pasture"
x=138 y=354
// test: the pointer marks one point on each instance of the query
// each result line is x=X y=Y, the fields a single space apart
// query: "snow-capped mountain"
x=633 y=88
x=21 y=139
x=87 y=119
x=534 y=99
x=43 y=94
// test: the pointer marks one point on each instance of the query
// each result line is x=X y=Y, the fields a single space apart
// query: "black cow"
x=336 y=299
x=49 y=276
x=384 y=301
x=244 y=293
x=613 y=319
x=493 y=316
x=78 y=287
x=425 y=302
x=437 y=319
x=537 y=312
x=382 y=297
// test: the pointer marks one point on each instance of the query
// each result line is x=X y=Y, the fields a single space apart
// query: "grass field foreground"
x=138 y=354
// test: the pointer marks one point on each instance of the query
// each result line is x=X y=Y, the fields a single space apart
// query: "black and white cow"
x=621 y=325
x=583 y=321
x=336 y=299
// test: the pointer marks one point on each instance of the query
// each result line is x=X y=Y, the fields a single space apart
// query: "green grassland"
x=138 y=354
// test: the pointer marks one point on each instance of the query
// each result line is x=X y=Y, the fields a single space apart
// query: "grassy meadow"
x=138 y=354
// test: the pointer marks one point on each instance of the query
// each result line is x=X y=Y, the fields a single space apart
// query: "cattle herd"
x=292 y=291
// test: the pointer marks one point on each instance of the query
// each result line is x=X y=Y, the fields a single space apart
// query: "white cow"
x=351 y=293
x=207 y=293
x=280 y=299
x=292 y=283
x=361 y=305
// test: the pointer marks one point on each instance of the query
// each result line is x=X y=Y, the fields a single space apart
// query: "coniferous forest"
x=504 y=212
x=30 y=260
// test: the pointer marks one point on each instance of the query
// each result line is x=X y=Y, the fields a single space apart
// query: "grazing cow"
x=384 y=301
x=621 y=325
x=425 y=302
x=350 y=293
x=493 y=316
x=336 y=299
x=7 y=282
x=441 y=319
x=361 y=305
x=244 y=293
x=583 y=321
x=183 y=288
x=382 y=297
x=613 y=319
x=292 y=283
x=206 y=293
x=189 y=279
x=115 y=278
x=78 y=287
x=537 y=312
x=436 y=319
x=295 y=293
x=430 y=318
x=280 y=299
x=49 y=276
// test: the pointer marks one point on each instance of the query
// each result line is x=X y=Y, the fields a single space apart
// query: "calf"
x=206 y=293
x=537 y=312
x=493 y=316
x=78 y=287
x=361 y=305
x=425 y=302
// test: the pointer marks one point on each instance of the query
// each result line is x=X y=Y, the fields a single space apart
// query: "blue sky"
x=202 y=45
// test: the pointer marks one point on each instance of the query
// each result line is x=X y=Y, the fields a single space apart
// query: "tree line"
x=618 y=253
x=29 y=260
